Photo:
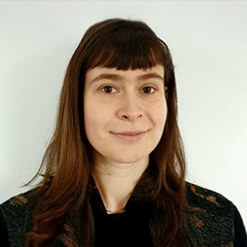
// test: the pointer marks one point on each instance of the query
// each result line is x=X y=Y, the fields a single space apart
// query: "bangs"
x=126 y=47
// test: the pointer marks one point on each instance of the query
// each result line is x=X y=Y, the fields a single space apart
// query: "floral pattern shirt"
x=213 y=221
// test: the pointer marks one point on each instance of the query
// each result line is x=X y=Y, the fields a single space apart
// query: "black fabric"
x=130 y=228
x=213 y=221
x=240 y=233
x=4 y=237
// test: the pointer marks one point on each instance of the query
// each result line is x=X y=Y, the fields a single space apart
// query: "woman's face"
x=125 y=112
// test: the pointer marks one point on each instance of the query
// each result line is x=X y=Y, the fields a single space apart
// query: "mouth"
x=130 y=136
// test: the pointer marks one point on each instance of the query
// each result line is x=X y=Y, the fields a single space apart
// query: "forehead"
x=99 y=73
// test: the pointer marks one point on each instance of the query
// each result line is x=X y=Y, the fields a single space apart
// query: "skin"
x=125 y=114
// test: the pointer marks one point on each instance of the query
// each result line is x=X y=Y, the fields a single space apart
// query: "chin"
x=130 y=160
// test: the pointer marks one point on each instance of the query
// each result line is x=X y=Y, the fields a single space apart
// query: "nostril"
x=131 y=117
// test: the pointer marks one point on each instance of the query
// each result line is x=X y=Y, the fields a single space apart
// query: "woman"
x=114 y=172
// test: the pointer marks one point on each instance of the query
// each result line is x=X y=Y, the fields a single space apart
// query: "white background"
x=208 y=41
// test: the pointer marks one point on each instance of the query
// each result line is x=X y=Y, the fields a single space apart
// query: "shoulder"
x=15 y=214
x=17 y=204
x=16 y=220
x=206 y=199
x=212 y=218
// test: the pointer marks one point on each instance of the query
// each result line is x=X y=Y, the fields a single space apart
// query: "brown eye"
x=148 y=90
x=108 y=89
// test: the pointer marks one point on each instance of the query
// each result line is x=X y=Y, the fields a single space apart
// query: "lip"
x=129 y=136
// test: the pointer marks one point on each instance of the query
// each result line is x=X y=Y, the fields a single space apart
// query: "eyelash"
x=153 y=89
x=105 y=89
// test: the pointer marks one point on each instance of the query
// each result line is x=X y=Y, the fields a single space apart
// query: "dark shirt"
x=130 y=228
x=4 y=239
x=215 y=222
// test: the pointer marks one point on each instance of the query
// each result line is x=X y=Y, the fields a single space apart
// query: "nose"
x=130 y=109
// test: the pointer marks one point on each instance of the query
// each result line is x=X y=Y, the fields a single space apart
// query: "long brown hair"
x=121 y=44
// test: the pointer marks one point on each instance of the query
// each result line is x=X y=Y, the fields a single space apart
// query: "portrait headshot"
x=123 y=123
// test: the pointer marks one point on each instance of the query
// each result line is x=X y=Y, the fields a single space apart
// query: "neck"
x=116 y=182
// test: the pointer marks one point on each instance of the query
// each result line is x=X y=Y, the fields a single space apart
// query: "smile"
x=129 y=136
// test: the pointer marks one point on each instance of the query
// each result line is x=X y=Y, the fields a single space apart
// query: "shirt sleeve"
x=4 y=240
x=240 y=232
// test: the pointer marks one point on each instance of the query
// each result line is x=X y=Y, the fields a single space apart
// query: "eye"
x=108 y=89
x=148 y=90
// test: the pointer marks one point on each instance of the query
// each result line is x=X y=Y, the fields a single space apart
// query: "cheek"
x=94 y=118
x=89 y=121
x=160 y=115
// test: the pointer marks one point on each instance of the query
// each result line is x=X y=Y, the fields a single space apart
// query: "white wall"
x=208 y=41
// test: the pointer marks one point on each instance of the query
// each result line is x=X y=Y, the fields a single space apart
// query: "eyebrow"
x=153 y=75
x=117 y=77
x=112 y=77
